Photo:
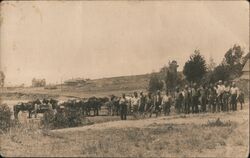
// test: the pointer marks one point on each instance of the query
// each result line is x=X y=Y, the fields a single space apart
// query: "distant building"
x=38 y=82
x=245 y=71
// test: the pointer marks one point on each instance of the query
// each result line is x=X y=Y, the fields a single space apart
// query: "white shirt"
x=36 y=106
x=165 y=99
x=135 y=101
x=123 y=101
x=220 y=89
x=227 y=89
x=50 y=106
x=234 y=90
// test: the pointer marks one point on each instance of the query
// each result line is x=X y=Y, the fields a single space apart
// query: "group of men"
x=194 y=98
x=212 y=98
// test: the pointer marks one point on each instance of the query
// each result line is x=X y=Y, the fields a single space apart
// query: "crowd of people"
x=194 y=98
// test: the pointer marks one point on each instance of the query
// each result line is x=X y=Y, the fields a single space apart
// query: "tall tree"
x=170 y=75
x=2 y=78
x=195 y=68
x=155 y=83
x=221 y=72
x=234 y=58
x=233 y=55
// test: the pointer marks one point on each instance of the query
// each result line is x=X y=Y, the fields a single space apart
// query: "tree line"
x=198 y=70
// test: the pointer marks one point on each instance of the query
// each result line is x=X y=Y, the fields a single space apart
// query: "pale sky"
x=60 y=40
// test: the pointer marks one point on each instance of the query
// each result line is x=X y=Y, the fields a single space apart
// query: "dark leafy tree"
x=170 y=75
x=155 y=83
x=234 y=58
x=195 y=68
x=221 y=72
x=233 y=55
x=230 y=67
x=2 y=78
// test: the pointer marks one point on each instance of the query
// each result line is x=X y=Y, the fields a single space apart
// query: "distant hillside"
x=125 y=83
x=122 y=83
x=95 y=87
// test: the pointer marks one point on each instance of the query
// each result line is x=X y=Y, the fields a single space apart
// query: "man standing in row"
x=123 y=107
x=220 y=90
x=135 y=100
x=166 y=103
x=157 y=102
x=187 y=99
x=203 y=98
x=142 y=103
x=234 y=96
x=195 y=98
x=149 y=104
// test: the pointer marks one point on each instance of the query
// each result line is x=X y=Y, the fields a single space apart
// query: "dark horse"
x=31 y=107
x=94 y=104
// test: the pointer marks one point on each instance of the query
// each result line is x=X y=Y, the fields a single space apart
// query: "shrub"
x=218 y=122
x=5 y=117
x=74 y=118
x=48 y=119
x=62 y=119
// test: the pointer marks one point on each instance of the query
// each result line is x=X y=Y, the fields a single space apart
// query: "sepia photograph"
x=126 y=78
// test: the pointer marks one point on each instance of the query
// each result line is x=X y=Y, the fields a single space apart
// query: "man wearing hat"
x=234 y=95
x=220 y=90
x=187 y=99
x=195 y=98
x=157 y=102
x=60 y=119
x=178 y=100
x=166 y=103
x=203 y=97
x=149 y=104
x=142 y=103
x=135 y=100
x=226 y=96
x=123 y=107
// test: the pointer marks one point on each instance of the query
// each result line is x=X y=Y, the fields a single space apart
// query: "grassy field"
x=176 y=135
x=97 y=87
x=172 y=136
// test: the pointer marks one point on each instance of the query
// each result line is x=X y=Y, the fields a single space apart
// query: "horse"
x=95 y=104
x=34 y=107
x=23 y=107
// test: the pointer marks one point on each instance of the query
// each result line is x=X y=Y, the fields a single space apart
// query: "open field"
x=171 y=136
x=97 y=87
x=175 y=135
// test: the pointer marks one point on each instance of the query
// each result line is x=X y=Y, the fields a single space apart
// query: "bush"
x=5 y=117
x=62 y=119
x=218 y=122
x=74 y=118
x=48 y=119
